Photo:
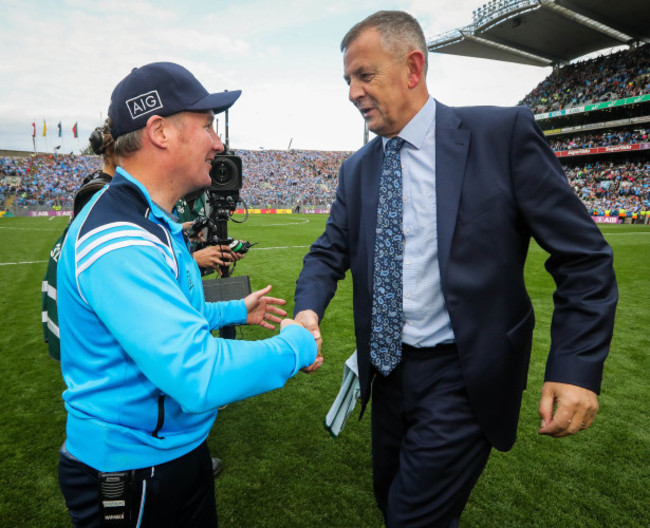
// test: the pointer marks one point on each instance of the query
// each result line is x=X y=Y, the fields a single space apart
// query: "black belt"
x=411 y=352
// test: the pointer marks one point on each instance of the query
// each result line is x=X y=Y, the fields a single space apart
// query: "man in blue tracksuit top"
x=144 y=375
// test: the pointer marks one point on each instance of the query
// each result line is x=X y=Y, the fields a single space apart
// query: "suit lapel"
x=370 y=176
x=452 y=146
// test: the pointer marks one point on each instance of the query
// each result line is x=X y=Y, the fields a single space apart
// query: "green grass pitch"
x=281 y=468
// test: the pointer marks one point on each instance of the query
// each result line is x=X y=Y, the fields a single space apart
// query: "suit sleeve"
x=580 y=260
x=327 y=260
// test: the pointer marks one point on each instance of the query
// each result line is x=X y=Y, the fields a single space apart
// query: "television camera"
x=222 y=198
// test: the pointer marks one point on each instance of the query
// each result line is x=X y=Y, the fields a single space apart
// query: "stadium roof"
x=547 y=32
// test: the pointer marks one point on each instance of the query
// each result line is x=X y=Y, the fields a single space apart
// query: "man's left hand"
x=566 y=409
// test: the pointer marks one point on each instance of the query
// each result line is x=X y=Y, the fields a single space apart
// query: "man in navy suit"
x=478 y=183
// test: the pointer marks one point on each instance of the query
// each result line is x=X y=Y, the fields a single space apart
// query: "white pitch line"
x=302 y=221
x=31 y=228
x=44 y=261
x=281 y=247
x=17 y=263
x=626 y=234
x=266 y=248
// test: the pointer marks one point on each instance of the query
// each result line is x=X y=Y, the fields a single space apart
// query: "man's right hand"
x=309 y=320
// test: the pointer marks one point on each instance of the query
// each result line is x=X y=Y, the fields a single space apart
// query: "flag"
x=74 y=130
x=59 y=125
x=33 y=129
x=44 y=129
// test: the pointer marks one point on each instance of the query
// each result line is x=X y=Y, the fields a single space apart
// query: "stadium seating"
x=271 y=178
x=595 y=114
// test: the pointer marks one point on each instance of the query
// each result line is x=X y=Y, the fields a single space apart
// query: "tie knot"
x=394 y=144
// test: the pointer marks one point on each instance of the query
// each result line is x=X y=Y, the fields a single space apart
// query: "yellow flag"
x=44 y=129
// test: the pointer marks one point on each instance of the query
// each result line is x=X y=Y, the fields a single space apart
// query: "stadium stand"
x=43 y=181
x=596 y=112
x=286 y=179
x=600 y=139
x=546 y=32
x=606 y=158
x=271 y=179
x=607 y=78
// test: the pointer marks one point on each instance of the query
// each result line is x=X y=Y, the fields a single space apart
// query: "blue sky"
x=59 y=61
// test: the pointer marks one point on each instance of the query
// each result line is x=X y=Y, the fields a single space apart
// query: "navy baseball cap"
x=164 y=89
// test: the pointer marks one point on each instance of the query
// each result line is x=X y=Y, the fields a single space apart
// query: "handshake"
x=264 y=311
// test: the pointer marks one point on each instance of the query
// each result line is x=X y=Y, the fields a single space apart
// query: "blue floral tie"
x=387 y=313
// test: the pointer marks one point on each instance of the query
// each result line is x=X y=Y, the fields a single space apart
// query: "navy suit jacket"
x=498 y=184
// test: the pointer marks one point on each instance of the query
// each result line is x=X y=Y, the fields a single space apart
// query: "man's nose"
x=216 y=142
x=355 y=92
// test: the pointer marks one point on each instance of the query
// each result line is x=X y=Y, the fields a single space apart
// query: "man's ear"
x=415 y=61
x=157 y=131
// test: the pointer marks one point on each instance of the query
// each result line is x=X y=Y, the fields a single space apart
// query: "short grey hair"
x=399 y=32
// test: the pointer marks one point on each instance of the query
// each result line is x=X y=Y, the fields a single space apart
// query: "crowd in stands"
x=600 y=139
x=609 y=186
x=605 y=78
x=271 y=178
x=275 y=178
x=302 y=178
x=45 y=181
x=604 y=186
x=285 y=179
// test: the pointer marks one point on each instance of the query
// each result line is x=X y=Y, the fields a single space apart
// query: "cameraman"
x=212 y=257
x=209 y=257
x=102 y=144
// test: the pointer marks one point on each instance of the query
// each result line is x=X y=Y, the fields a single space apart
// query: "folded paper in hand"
x=346 y=399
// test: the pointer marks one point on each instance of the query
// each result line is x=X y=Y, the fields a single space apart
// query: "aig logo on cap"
x=143 y=104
